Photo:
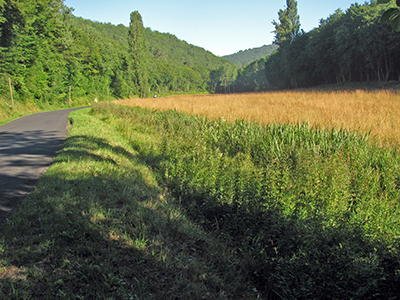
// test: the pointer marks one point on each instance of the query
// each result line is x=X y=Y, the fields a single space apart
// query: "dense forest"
x=51 y=56
x=349 y=46
x=244 y=57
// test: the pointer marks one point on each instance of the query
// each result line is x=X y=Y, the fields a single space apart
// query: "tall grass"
x=374 y=112
x=313 y=213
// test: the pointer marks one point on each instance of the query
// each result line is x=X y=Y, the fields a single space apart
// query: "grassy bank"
x=9 y=113
x=99 y=226
x=143 y=204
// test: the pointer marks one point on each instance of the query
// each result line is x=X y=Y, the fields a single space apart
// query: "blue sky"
x=220 y=26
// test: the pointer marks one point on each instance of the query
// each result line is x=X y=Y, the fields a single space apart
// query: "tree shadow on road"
x=23 y=158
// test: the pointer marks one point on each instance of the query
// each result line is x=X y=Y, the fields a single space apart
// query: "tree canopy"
x=350 y=46
x=48 y=52
x=288 y=27
x=392 y=15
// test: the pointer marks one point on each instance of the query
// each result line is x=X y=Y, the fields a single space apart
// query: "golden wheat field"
x=377 y=112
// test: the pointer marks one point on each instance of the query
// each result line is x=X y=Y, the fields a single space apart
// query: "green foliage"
x=288 y=27
x=222 y=79
x=351 y=46
x=287 y=30
x=392 y=15
x=252 y=77
x=47 y=52
x=312 y=213
x=139 y=55
x=245 y=57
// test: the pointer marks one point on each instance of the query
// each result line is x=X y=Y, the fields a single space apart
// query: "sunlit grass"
x=9 y=113
x=374 y=112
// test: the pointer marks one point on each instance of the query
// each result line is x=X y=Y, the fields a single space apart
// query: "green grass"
x=157 y=205
x=313 y=213
x=9 y=113
x=99 y=226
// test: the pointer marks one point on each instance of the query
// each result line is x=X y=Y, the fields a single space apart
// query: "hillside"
x=164 y=46
x=51 y=55
x=175 y=65
x=244 y=57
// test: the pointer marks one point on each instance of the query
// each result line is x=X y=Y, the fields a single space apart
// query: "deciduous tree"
x=288 y=26
x=139 y=55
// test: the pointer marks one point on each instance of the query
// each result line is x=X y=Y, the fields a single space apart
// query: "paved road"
x=27 y=147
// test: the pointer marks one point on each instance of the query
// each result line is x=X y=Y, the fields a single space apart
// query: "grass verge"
x=20 y=109
x=99 y=226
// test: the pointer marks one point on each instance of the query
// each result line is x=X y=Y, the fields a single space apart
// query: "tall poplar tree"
x=288 y=26
x=286 y=30
x=139 y=55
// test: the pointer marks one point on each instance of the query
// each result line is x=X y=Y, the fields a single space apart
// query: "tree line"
x=50 y=55
x=349 y=46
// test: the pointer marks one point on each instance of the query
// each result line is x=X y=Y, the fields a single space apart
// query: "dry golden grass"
x=376 y=112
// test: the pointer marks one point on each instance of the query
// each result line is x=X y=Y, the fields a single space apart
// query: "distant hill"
x=244 y=57
x=163 y=46
x=176 y=66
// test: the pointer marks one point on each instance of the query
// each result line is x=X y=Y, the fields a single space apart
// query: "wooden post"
x=11 y=92
x=69 y=96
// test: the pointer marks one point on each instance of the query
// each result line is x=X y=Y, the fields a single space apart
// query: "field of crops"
x=375 y=112
x=312 y=213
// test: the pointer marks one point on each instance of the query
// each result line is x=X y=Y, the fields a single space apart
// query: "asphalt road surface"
x=27 y=148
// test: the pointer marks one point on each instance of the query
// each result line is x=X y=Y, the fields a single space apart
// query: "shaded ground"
x=27 y=146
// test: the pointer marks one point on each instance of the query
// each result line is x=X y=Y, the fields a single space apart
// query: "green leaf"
x=396 y=23
x=389 y=15
x=383 y=1
x=392 y=17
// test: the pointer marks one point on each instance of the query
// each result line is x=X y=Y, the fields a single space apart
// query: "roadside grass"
x=311 y=213
x=98 y=226
x=9 y=113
